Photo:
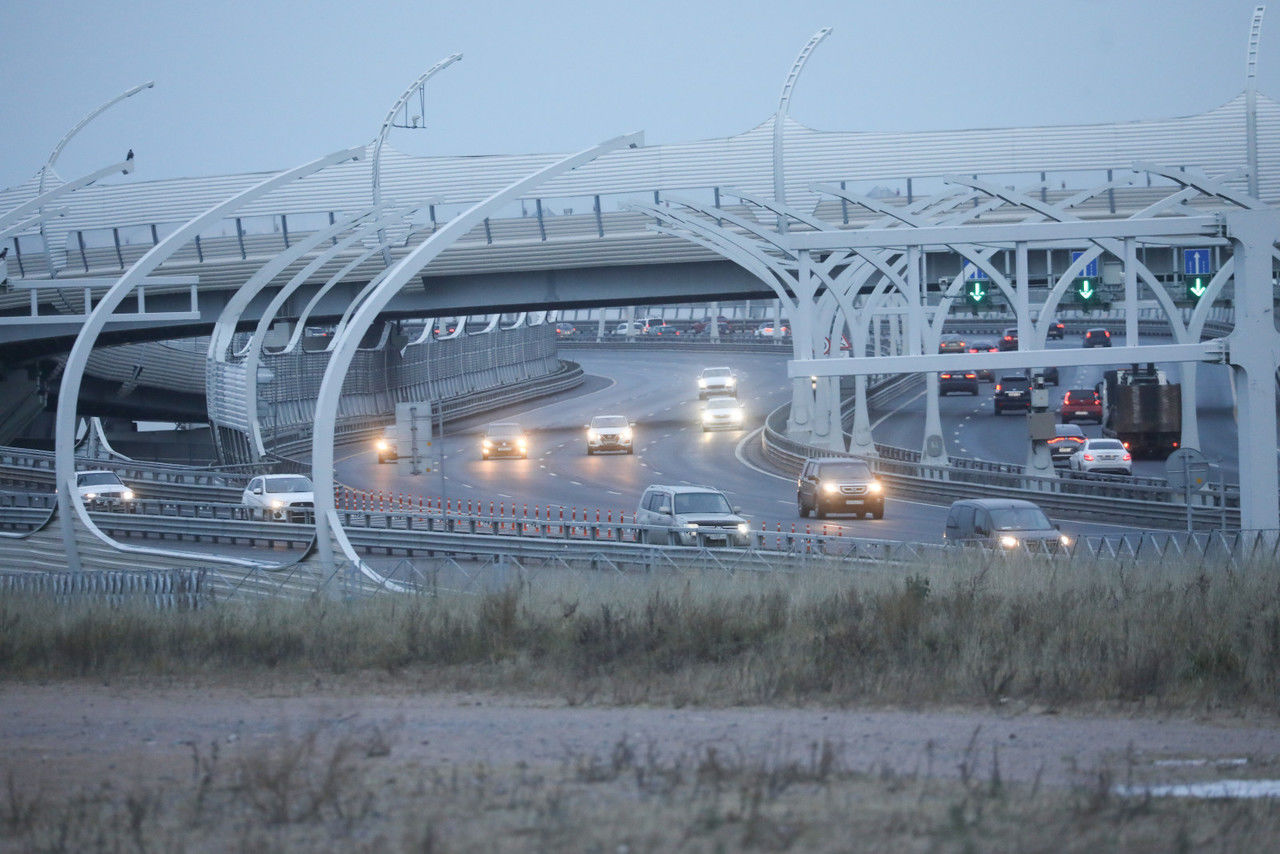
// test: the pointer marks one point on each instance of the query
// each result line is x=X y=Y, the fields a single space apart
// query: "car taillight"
x=1107 y=333
x=1088 y=457
x=1126 y=445
x=1127 y=457
x=997 y=386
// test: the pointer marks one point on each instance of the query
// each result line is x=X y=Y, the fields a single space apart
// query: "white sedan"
x=723 y=413
x=1102 y=455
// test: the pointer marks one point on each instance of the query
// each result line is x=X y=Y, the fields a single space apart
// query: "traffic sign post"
x=977 y=288
x=1196 y=272
x=1086 y=286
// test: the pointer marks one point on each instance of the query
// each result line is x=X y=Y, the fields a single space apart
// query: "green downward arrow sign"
x=978 y=292
x=1086 y=289
x=1199 y=287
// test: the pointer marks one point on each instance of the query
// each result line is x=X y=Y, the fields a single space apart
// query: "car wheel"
x=819 y=512
x=589 y=451
x=877 y=514
x=630 y=450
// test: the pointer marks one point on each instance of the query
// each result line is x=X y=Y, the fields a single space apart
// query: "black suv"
x=1013 y=391
x=839 y=485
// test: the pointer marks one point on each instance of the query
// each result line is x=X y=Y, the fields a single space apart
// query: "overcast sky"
x=267 y=84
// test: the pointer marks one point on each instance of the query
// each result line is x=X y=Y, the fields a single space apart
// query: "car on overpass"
x=838 y=485
x=385 y=445
x=984 y=345
x=951 y=343
x=103 y=488
x=1105 y=456
x=280 y=497
x=1005 y=524
x=717 y=381
x=1057 y=331
x=964 y=382
x=566 y=330
x=1049 y=373
x=723 y=413
x=504 y=439
x=1008 y=339
x=1098 y=336
x=690 y=516
x=1013 y=392
x=767 y=330
x=1065 y=441
x=609 y=433
x=1081 y=404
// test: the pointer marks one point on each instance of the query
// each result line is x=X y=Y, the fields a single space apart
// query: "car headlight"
x=522 y=444
x=702 y=383
x=706 y=415
x=875 y=487
x=1064 y=539
x=731 y=382
x=736 y=414
x=90 y=496
x=693 y=526
x=593 y=436
x=127 y=495
x=1009 y=542
x=276 y=504
x=382 y=445
x=831 y=487
x=744 y=528
x=487 y=443
x=626 y=435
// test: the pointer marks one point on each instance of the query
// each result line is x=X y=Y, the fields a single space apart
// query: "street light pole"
x=401 y=108
x=779 y=120
x=62 y=143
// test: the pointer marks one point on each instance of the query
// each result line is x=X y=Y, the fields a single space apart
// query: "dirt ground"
x=58 y=736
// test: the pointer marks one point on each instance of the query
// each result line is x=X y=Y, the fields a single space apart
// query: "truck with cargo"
x=1142 y=409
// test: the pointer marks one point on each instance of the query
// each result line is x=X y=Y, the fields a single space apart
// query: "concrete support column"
x=804 y=315
x=1190 y=421
x=1254 y=354
x=934 y=449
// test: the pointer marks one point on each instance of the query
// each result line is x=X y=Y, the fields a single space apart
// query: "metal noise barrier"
x=180 y=589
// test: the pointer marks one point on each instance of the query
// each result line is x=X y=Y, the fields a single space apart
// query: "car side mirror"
x=737 y=510
x=981 y=531
x=257 y=490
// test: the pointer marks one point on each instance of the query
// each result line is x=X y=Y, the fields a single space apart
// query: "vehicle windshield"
x=98 y=478
x=1081 y=395
x=1106 y=445
x=1019 y=519
x=606 y=421
x=287 y=484
x=716 y=372
x=504 y=431
x=702 y=502
x=846 y=470
x=722 y=403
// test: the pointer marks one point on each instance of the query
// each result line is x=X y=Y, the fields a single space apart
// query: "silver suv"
x=690 y=516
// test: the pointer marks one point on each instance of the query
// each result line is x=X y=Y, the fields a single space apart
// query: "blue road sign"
x=1090 y=270
x=1195 y=262
x=972 y=272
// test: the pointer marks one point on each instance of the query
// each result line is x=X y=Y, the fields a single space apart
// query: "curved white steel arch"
x=328 y=528
x=779 y=120
x=73 y=371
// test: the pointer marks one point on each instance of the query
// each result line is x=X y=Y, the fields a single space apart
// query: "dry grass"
x=327 y=792
x=971 y=632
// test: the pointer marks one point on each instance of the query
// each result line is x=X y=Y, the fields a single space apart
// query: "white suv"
x=716 y=382
x=284 y=497
x=690 y=516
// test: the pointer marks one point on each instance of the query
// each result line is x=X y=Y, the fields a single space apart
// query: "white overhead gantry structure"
x=1252 y=349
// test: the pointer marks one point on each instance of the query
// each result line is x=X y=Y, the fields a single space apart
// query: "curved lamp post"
x=418 y=87
x=779 y=119
x=62 y=143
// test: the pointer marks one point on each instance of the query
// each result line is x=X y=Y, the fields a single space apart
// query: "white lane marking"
x=613 y=492
x=576 y=483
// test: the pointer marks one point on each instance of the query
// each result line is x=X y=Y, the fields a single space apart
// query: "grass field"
x=971 y=632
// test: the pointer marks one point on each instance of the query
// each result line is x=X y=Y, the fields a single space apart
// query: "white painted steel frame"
x=329 y=532
x=73 y=371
